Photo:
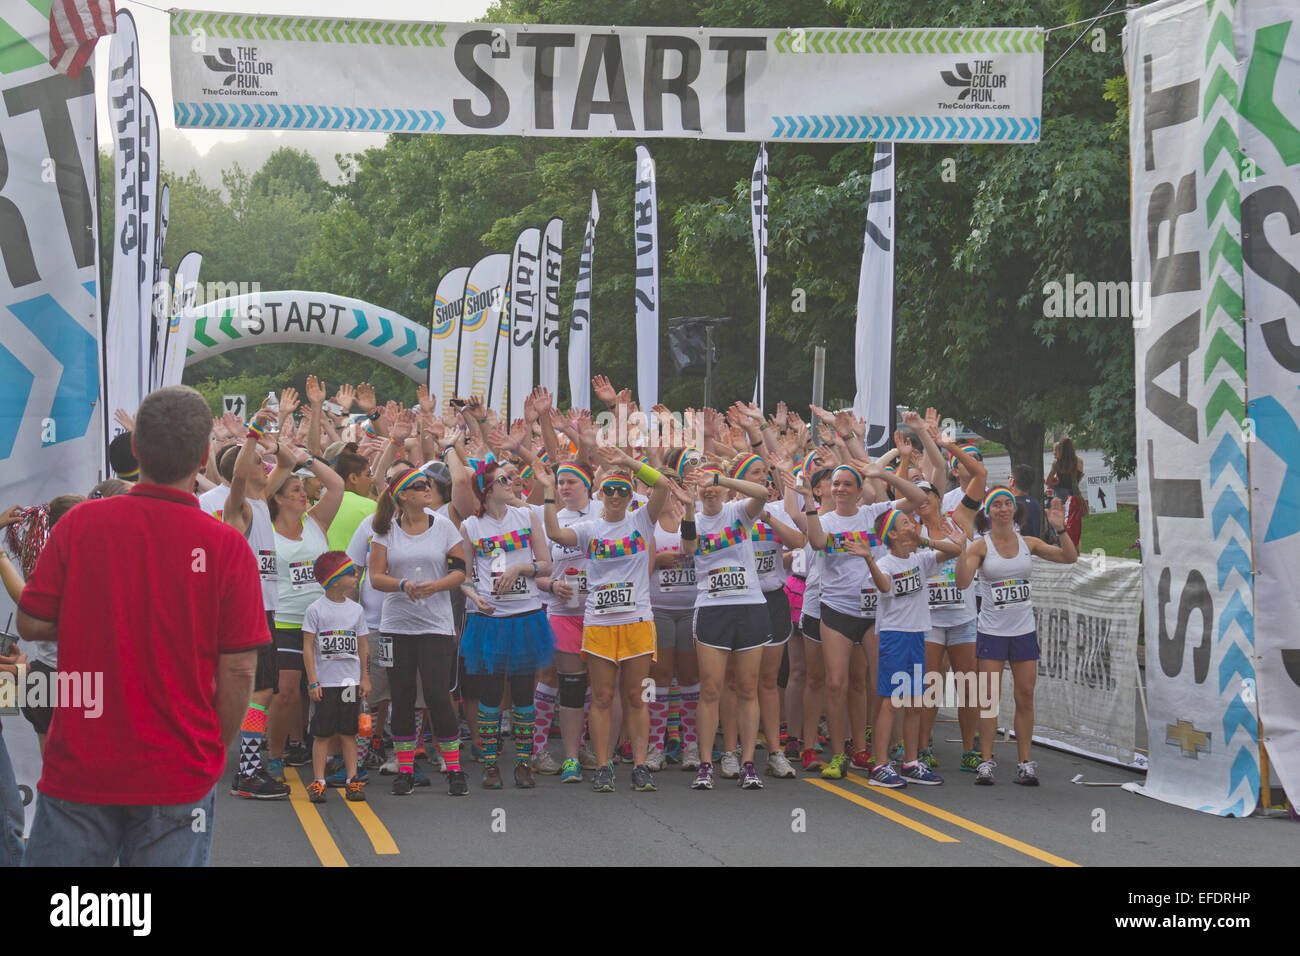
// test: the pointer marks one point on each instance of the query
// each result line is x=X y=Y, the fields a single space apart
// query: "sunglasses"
x=417 y=486
x=621 y=491
x=504 y=480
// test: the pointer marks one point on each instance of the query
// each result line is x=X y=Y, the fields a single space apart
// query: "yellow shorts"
x=619 y=642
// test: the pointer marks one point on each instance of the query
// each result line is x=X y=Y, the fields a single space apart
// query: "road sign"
x=1101 y=494
x=235 y=404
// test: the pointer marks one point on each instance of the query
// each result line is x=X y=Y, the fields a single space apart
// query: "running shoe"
x=420 y=779
x=673 y=752
x=656 y=760
x=375 y=760
x=820 y=745
x=587 y=759
x=623 y=753
x=464 y=731
x=275 y=768
x=926 y=757
x=390 y=766
x=340 y=777
x=297 y=754
x=920 y=773
x=524 y=776
x=970 y=760
x=810 y=761
x=837 y=768
x=984 y=773
x=457 y=783
x=691 y=757
x=862 y=761
x=491 y=777
x=356 y=791
x=868 y=738
x=730 y=765
x=571 y=772
x=761 y=743
x=749 y=779
x=1027 y=773
x=778 y=766
x=604 y=781
x=785 y=736
x=897 y=754
x=316 y=792
x=507 y=726
x=704 y=778
x=823 y=730
x=421 y=753
x=259 y=786
x=403 y=784
x=793 y=747
x=332 y=766
x=642 y=780
x=544 y=762
x=475 y=753
x=886 y=776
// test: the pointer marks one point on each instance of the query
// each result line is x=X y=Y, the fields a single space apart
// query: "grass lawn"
x=1112 y=533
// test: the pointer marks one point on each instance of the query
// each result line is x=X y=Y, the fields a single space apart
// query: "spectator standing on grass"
x=1063 y=481
x=1022 y=479
x=144 y=583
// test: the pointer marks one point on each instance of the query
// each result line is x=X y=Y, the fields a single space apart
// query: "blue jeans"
x=11 y=812
x=65 y=833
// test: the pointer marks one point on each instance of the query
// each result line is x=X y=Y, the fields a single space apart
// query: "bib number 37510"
x=1011 y=593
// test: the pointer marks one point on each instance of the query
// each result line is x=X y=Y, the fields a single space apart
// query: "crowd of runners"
x=448 y=592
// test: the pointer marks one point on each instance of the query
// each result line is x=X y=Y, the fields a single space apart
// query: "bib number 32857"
x=614 y=598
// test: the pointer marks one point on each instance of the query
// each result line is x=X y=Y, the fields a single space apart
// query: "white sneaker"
x=390 y=765
x=586 y=759
x=507 y=726
x=691 y=757
x=778 y=766
x=656 y=760
x=544 y=762
x=730 y=765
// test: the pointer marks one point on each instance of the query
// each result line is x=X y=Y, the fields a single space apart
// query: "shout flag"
x=758 y=225
x=499 y=383
x=185 y=285
x=646 y=228
x=580 y=325
x=146 y=260
x=480 y=325
x=873 y=344
x=548 y=301
x=525 y=274
x=444 y=334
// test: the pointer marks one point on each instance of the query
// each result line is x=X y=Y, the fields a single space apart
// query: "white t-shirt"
x=846 y=584
x=214 y=499
x=295 y=575
x=338 y=626
x=672 y=588
x=768 y=549
x=359 y=552
x=906 y=606
x=812 y=591
x=261 y=538
x=618 y=567
x=570 y=565
x=725 y=570
x=421 y=557
x=506 y=542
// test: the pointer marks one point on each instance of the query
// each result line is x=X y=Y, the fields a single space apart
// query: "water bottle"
x=571 y=578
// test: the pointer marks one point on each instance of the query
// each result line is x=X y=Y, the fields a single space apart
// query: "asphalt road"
x=803 y=822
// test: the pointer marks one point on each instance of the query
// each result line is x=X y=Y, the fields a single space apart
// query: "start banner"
x=800 y=84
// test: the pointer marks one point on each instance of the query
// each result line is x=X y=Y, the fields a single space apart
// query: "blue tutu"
x=507 y=645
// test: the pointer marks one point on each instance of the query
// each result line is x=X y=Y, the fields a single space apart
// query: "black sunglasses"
x=417 y=486
x=620 y=490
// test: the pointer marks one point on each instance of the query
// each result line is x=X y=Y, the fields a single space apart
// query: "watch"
x=308 y=461
x=716 y=478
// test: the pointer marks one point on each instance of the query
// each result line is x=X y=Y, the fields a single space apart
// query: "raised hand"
x=11 y=516
x=914 y=421
x=365 y=397
x=344 y=397
x=782 y=416
x=1056 y=515
x=542 y=401
x=624 y=397
x=603 y=389
x=426 y=401
x=500 y=438
x=846 y=424
x=402 y=426
x=122 y=418
x=615 y=457
x=315 y=391
x=822 y=414
x=288 y=402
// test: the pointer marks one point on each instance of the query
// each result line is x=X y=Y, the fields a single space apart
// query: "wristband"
x=313 y=686
x=255 y=431
x=969 y=502
x=810 y=512
x=688 y=530
x=401 y=585
x=756 y=444
x=534 y=569
x=549 y=501
x=716 y=478
x=648 y=475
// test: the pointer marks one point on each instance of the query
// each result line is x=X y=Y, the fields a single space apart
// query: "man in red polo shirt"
x=160 y=606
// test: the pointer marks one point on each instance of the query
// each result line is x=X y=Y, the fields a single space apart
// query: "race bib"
x=337 y=645
x=766 y=562
x=517 y=591
x=943 y=588
x=677 y=579
x=868 y=602
x=266 y=565
x=385 y=656
x=301 y=575
x=614 y=598
x=909 y=582
x=1010 y=593
x=727 y=580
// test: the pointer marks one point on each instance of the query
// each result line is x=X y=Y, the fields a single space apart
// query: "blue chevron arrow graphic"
x=1234 y=662
x=829 y=123
x=1244 y=766
x=1276 y=429
x=778 y=126
x=1228 y=453
x=387 y=334
x=362 y=325
x=1228 y=506
x=74 y=348
x=1237 y=612
x=89 y=287
x=803 y=126
x=440 y=118
x=401 y=119
x=841 y=126
x=410 y=346
x=1236 y=810
x=15 y=387
x=388 y=119
x=1233 y=558
x=351 y=115
x=423 y=363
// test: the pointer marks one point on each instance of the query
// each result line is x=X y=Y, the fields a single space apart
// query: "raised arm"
x=1065 y=552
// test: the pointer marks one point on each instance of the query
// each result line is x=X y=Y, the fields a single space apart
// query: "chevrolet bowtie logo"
x=1190 y=741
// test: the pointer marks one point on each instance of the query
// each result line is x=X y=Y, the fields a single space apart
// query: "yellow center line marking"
x=321 y=841
x=970 y=825
x=380 y=838
x=885 y=812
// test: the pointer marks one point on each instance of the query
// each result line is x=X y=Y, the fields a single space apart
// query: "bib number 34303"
x=727 y=580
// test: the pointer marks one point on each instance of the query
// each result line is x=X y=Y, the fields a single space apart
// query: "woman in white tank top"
x=1005 y=630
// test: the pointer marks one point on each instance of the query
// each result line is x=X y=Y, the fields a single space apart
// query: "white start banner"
x=548 y=302
x=801 y=84
x=525 y=279
x=645 y=227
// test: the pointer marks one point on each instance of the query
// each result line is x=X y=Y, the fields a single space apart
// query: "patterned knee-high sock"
x=523 y=719
x=251 y=732
x=658 y=717
x=544 y=710
x=420 y=750
x=489 y=731
x=690 y=700
x=405 y=748
x=674 y=713
x=450 y=750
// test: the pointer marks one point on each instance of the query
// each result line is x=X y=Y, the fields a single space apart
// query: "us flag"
x=75 y=25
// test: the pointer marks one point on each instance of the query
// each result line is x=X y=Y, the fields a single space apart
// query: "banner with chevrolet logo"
x=799 y=84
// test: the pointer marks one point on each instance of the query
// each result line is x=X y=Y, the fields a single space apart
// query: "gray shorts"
x=674 y=629
x=951 y=636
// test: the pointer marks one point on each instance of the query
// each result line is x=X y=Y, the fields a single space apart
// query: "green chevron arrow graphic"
x=1222 y=138
x=1224 y=401
x=227 y=324
x=308 y=29
x=1257 y=105
x=1224 y=191
x=1225 y=244
x=1223 y=296
x=1222 y=348
x=201 y=331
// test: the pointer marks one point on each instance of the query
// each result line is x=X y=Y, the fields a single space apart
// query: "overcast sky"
x=211 y=150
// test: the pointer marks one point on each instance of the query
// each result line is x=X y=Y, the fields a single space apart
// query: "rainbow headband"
x=131 y=475
x=580 y=474
x=888 y=525
x=401 y=483
x=347 y=567
x=682 y=461
x=711 y=468
x=616 y=481
x=988 y=499
x=849 y=468
x=744 y=465
x=527 y=472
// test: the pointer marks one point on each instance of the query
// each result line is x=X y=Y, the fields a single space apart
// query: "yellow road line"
x=885 y=812
x=321 y=841
x=380 y=838
x=970 y=825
